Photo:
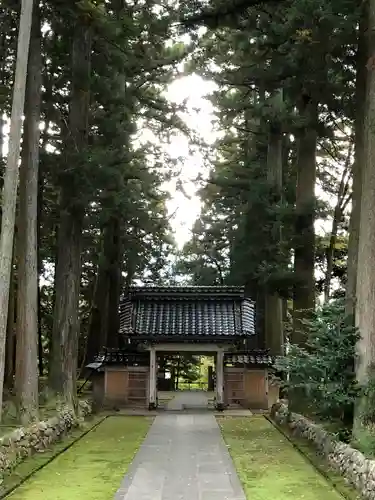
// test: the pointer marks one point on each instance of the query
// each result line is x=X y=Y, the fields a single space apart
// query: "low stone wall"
x=349 y=462
x=24 y=441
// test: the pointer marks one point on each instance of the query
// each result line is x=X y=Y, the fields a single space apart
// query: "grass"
x=92 y=468
x=269 y=466
x=32 y=464
x=365 y=441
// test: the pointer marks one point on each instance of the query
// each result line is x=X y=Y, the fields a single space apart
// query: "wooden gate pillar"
x=220 y=380
x=152 y=397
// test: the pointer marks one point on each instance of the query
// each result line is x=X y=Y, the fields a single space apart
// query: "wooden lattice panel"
x=234 y=386
x=137 y=388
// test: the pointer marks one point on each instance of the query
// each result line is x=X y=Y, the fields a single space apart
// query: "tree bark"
x=26 y=380
x=11 y=333
x=360 y=98
x=304 y=250
x=343 y=198
x=40 y=271
x=365 y=306
x=39 y=257
x=104 y=318
x=115 y=283
x=65 y=334
x=97 y=334
x=273 y=303
x=9 y=197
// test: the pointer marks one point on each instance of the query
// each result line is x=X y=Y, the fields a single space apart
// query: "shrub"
x=323 y=370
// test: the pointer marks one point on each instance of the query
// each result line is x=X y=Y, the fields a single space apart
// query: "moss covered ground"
x=38 y=460
x=347 y=491
x=92 y=468
x=269 y=466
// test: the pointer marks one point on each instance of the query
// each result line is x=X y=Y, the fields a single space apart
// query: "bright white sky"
x=199 y=117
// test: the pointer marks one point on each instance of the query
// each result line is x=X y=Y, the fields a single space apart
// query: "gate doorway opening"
x=186 y=368
x=185 y=381
x=185 y=372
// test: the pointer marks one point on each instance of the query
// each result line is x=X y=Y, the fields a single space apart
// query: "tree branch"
x=213 y=17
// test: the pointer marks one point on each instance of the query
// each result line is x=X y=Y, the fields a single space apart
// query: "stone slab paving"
x=183 y=457
x=189 y=400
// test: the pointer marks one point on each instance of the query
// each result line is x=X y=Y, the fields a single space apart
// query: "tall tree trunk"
x=115 y=283
x=304 y=251
x=53 y=344
x=9 y=197
x=40 y=335
x=273 y=303
x=330 y=253
x=97 y=332
x=40 y=270
x=360 y=98
x=11 y=333
x=343 y=198
x=39 y=236
x=365 y=306
x=65 y=334
x=104 y=318
x=26 y=380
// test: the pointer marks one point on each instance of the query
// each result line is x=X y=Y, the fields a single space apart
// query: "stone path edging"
x=349 y=462
x=24 y=441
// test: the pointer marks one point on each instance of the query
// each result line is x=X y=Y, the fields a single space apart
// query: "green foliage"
x=251 y=58
x=365 y=441
x=121 y=174
x=339 y=270
x=302 y=48
x=184 y=367
x=204 y=260
x=323 y=370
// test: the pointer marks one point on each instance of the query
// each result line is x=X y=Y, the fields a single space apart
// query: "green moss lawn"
x=32 y=464
x=268 y=465
x=92 y=468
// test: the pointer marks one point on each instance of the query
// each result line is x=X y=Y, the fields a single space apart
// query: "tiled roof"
x=250 y=358
x=124 y=357
x=121 y=356
x=186 y=312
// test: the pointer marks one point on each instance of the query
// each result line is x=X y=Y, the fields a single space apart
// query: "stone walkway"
x=183 y=400
x=183 y=457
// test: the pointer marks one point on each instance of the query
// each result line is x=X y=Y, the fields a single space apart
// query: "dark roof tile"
x=250 y=358
x=186 y=311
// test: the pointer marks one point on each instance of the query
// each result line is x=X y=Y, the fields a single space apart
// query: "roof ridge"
x=190 y=287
